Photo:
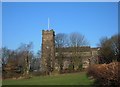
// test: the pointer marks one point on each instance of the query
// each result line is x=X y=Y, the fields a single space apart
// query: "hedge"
x=105 y=74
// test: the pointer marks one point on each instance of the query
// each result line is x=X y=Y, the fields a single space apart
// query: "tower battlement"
x=48 y=31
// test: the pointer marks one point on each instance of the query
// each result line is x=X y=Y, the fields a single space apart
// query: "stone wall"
x=87 y=54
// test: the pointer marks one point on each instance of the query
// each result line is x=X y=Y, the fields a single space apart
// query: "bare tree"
x=25 y=52
x=9 y=62
x=61 y=41
x=5 y=55
x=18 y=60
x=35 y=63
x=76 y=40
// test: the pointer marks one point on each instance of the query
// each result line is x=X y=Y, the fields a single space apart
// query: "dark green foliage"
x=109 y=50
x=80 y=66
x=71 y=67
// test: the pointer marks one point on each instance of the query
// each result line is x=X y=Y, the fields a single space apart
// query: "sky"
x=23 y=22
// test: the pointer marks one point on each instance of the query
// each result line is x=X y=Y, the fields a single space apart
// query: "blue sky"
x=23 y=22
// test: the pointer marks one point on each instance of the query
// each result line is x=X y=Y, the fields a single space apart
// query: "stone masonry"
x=48 y=51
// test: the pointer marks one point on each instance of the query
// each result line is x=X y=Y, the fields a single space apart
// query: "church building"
x=53 y=60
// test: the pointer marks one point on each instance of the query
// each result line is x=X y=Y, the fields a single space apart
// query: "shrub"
x=80 y=67
x=38 y=73
x=71 y=67
x=105 y=74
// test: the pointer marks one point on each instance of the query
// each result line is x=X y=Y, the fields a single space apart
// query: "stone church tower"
x=48 y=51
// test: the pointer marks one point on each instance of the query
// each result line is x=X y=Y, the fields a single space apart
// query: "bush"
x=80 y=67
x=105 y=74
x=71 y=67
x=38 y=73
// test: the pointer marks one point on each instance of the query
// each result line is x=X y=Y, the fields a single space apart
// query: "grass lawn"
x=62 y=79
